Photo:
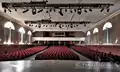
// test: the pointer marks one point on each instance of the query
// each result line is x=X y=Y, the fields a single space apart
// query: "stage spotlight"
x=47 y=11
x=15 y=9
x=25 y=10
x=9 y=10
x=50 y=10
x=65 y=10
x=71 y=11
x=75 y=10
x=90 y=10
x=79 y=11
x=33 y=11
x=54 y=10
x=85 y=11
x=108 y=10
x=5 y=10
x=60 y=12
x=84 y=25
x=102 y=10
x=40 y=10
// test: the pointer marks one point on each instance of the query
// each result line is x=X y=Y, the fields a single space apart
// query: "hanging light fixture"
x=65 y=10
x=102 y=10
x=71 y=11
x=108 y=10
x=26 y=10
x=34 y=11
x=40 y=10
x=60 y=12
x=5 y=10
x=79 y=11
x=85 y=11
x=90 y=10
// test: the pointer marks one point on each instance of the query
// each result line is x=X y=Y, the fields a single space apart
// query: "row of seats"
x=57 y=53
x=96 y=55
x=114 y=49
x=21 y=54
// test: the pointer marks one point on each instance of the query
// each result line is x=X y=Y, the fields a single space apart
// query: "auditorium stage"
x=57 y=66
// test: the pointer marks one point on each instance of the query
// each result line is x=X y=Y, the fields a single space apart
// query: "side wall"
x=115 y=33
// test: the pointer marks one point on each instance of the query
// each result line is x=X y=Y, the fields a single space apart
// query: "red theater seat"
x=57 y=53
x=21 y=54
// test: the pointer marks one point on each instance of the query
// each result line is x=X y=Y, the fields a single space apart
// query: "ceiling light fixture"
x=60 y=12
x=25 y=10
x=79 y=11
x=5 y=10
x=90 y=10
x=9 y=10
x=85 y=11
x=102 y=10
x=71 y=11
x=33 y=11
x=40 y=10
x=65 y=10
x=54 y=10
x=108 y=10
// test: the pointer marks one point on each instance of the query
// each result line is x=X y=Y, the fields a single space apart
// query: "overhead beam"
x=57 y=22
x=56 y=6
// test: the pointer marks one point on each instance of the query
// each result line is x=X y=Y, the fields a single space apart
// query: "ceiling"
x=94 y=16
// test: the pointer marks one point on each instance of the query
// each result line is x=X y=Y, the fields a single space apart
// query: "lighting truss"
x=57 y=22
x=13 y=5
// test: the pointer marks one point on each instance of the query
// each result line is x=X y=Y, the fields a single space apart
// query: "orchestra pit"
x=59 y=35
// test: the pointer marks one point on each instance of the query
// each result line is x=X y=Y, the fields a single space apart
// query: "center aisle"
x=81 y=57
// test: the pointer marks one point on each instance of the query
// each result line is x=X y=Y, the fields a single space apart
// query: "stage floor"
x=57 y=66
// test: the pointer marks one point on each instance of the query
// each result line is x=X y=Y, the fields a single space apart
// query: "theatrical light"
x=25 y=10
x=5 y=10
x=9 y=10
x=75 y=10
x=65 y=10
x=79 y=11
x=40 y=10
x=90 y=10
x=15 y=9
x=102 y=10
x=47 y=11
x=33 y=11
x=85 y=11
x=84 y=25
x=60 y=12
x=71 y=11
x=54 y=10
x=108 y=10
x=50 y=10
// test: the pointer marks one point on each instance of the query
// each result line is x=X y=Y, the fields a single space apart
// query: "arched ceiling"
x=94 y=16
